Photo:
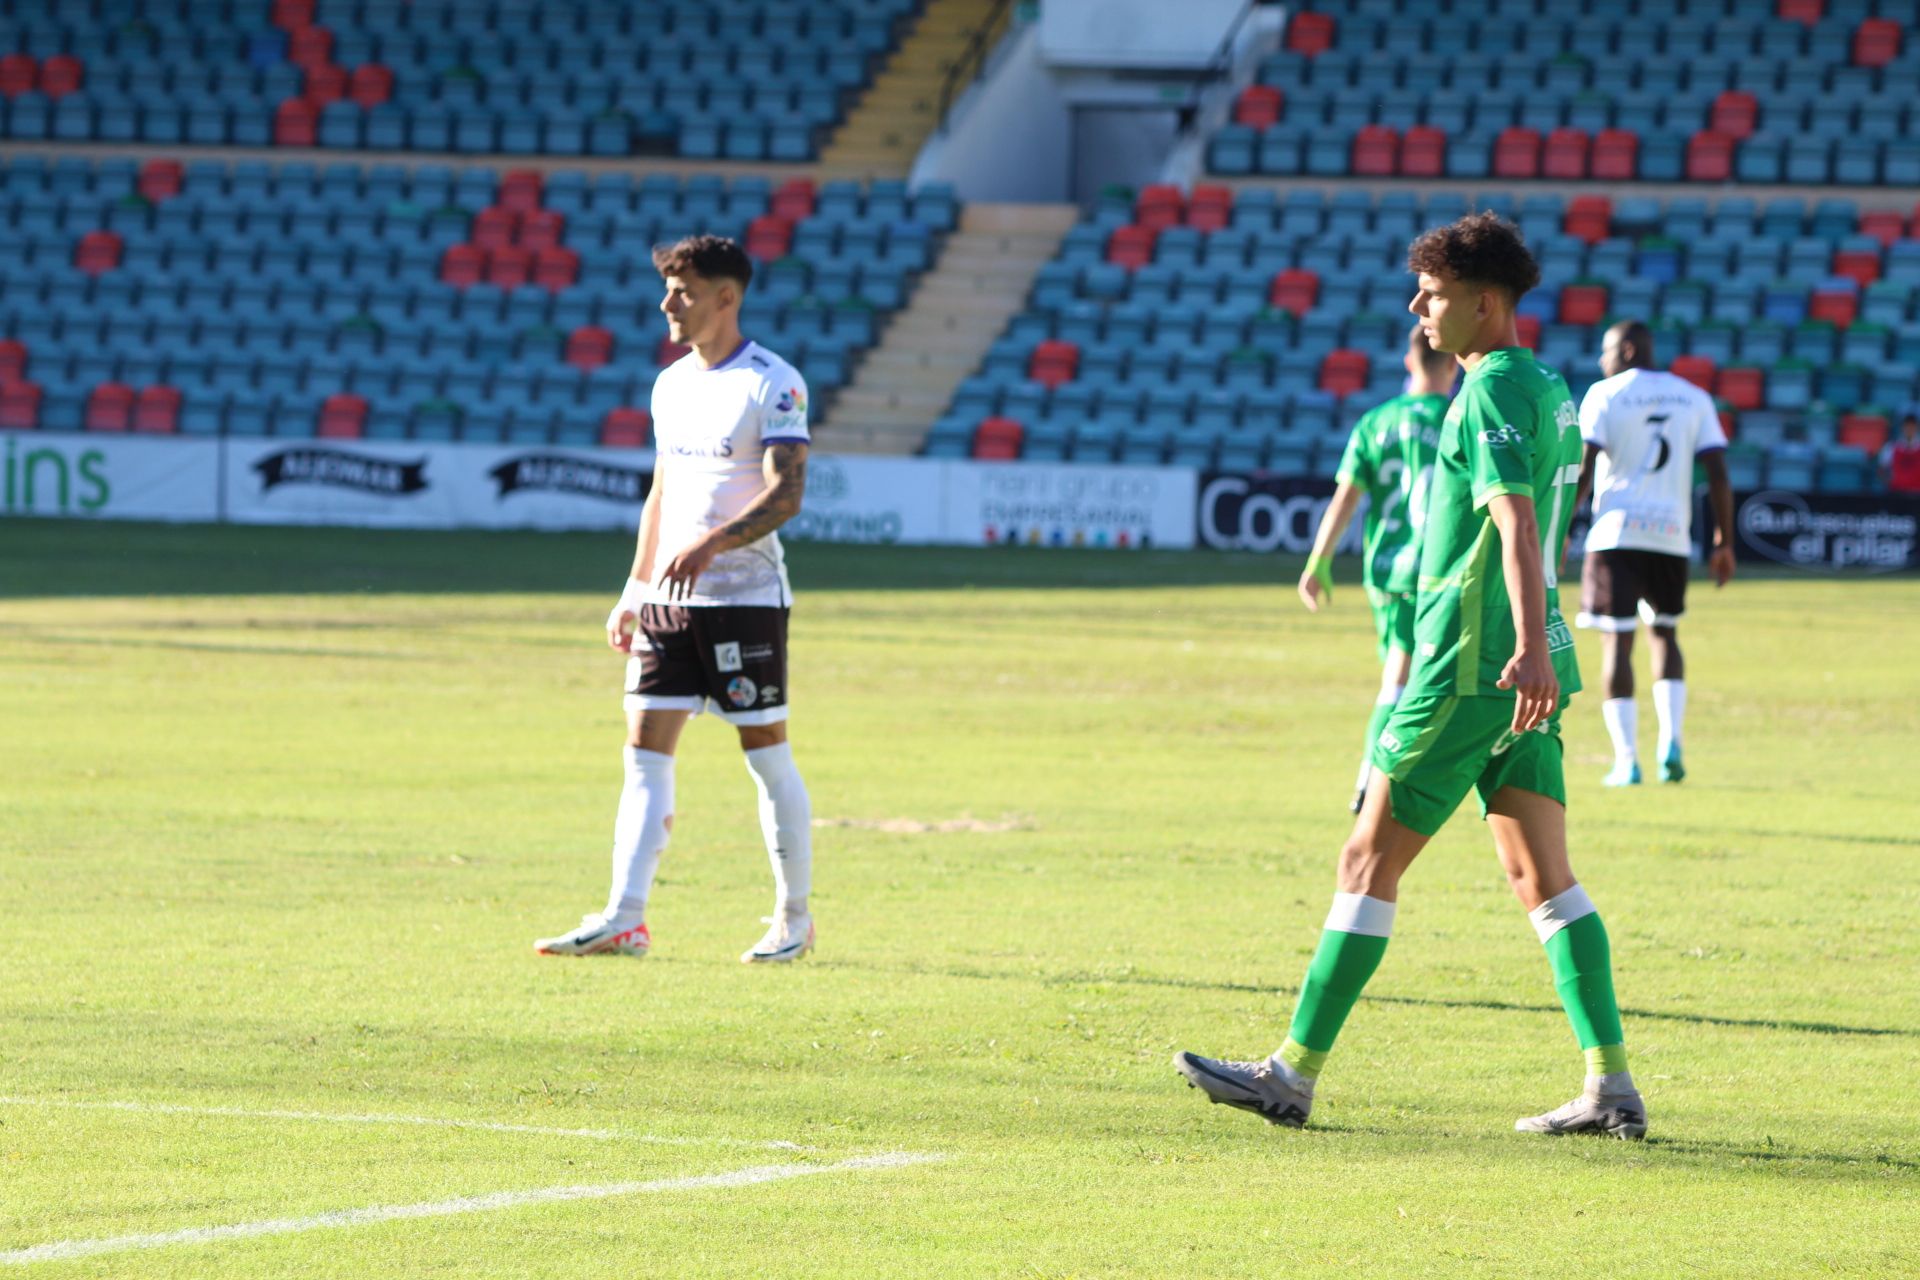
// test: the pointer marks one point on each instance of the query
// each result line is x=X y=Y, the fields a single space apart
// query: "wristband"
x=631 y=597
x=1321 y=569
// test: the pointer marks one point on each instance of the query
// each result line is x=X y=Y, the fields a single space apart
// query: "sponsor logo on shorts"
x=741 y=691
x=769 y=693
x=1390 y=740
x=757 y=652
x=726 y=657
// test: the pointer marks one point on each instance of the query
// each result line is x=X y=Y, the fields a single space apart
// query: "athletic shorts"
x=1435 y=747
x=1615 y=585
x=732 y=657
x=1392 y=620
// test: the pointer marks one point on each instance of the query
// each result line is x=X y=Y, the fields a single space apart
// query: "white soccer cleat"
x=789 y=938
x=1251 y=1086
x=1614 y=1115
x=598 y=936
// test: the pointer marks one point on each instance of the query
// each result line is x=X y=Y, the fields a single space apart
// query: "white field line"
x=440 y=1122
x=61 y=1250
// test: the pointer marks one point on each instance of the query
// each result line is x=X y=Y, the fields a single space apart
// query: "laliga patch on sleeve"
x=726 y=657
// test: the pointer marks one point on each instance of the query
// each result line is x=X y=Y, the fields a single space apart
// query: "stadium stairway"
x=884 y=132
x=978 y=283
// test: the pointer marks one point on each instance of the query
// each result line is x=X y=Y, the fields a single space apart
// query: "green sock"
x=1583 y=974
x=1341 y=966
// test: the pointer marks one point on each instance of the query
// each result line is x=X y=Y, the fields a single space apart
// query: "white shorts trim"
x=1652 y=619
x=750 y=719
x=1601 y=622
x=663 y=702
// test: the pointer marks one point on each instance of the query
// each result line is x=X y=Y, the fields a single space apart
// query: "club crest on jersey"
x=741 y=691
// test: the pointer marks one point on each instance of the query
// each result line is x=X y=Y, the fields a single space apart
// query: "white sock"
x=1670 y=705
x=1611 y=1085
x=639 y=833
x=1623 y=722
x=786 y=820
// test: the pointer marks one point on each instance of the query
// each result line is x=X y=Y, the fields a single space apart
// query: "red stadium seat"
x=495 y=228
x=1863 y=431
x=1709 y=157
x=19 y=405
x=1528 y=328
x=1836 y=306
x=13 y=360
x=110 y=407
x=310 y=47
x=371 y=84
x=19 y=74
x=589 y=347
x=626 y=429
x=1616 y=155
x=157 y=410
x=1729 y=420
x=1054 y=362
x=1344 y=373
x=1310 y=33
x=1695 y=369
x=1884 y=225
x=1876 y=42
x=462 y=266
x=1259 y=106
x=794 y=200
x=343 y=417
x=1131 y=246
x=1210 y=208
x=1375 y=151
x=520 y=190
x=998 y=440
x=1295 y=289
x=1565 y=154
x=509 y=268
x=666 y=351
x=1516 y=153
x=1743 y=388
x=1589 y=218
x=324 y=85
x=1583 y=304
x=556 y=268
x=542 y=229
x=97 y=253
x=769 y=237
x=1423 y=152
x=1734 y=113
x=61 y=75
x=1807 y=11
x=1159 y=207
x=161 y=179
x=292 y=15
x=294 y=123
x=1859 y=265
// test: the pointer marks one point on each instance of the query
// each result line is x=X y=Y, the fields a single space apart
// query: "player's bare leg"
x=1280 y=1088
x=1669 y=696
x=1530 y=837
x=1619 y=711
x=786 y=822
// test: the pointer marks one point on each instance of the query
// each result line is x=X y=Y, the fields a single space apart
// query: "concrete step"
x=1019 y=219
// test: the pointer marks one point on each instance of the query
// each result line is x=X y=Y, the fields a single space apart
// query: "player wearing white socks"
x=1643 y=430
x=703 y=616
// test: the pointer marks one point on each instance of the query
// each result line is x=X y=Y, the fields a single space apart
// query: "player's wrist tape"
x=1321 y=568
x=631 y=597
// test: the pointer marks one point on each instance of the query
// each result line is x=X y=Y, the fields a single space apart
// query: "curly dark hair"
x=709 y=257
x=1482 y=248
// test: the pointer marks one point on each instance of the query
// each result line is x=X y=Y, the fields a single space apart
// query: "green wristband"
x=1321 y=569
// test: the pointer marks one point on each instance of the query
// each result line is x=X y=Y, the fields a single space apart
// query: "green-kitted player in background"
x=1493 y=663
x=1389 y=462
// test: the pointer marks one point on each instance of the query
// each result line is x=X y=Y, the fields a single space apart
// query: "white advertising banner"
x=872 y=500
x=1059 y=505
x=108 y=477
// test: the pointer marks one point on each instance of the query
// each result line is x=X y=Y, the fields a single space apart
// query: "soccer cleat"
x=1617 y=1115
x=597 y=936
x=1251 y=1086
x=788 y=939
x=1627 y=777
x=1671 y=769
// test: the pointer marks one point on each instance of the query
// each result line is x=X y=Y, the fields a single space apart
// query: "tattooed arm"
x=785 y=468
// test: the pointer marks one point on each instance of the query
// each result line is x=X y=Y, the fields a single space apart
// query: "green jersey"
x=1389 y=458
x=1512 y=429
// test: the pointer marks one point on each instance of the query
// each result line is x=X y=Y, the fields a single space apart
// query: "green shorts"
x=1392 y=620
x=1436 y=746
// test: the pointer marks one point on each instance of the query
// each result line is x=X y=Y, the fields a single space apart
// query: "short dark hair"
x=709 y=257
x=1425 y=352
x=1482 y=248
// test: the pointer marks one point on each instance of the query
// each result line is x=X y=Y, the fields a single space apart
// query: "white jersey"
x=710 y=430
x=1649 y=425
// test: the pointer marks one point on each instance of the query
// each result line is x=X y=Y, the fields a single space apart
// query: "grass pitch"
x=283 y=810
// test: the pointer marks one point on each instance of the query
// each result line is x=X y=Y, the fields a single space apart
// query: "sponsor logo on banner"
x=1079 y=506
x=52 y=479
x=1267 y=513
x=826 y=514
x=1876 y=532
x=562 y=473
x=339 y=469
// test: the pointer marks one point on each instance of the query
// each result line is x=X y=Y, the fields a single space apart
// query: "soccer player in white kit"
x=703 y=616
x=1643 y=430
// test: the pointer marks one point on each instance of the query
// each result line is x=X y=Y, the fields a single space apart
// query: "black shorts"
x=734 y=657
x=1616 y=585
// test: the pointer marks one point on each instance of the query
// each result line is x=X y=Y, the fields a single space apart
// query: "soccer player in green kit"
x=1388 y=461
x=1493 y=665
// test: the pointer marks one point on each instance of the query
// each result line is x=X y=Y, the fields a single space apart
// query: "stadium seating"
x=1558 y=89
x=739 y=79
x=383 y=302
x=1255 y=344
